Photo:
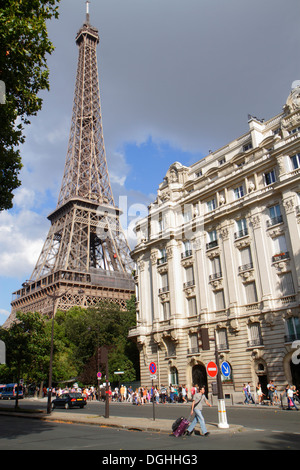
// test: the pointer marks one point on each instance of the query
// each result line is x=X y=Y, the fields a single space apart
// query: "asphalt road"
x=264 y=429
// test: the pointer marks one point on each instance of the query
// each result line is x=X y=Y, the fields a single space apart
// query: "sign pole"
x=153 y=405
x=221 y=402
x=153 y=369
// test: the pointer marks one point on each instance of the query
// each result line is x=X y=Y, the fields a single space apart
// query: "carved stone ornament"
x=293 y=101
x=234 y=324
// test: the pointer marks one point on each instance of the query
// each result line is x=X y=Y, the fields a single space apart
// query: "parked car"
x=9 y=392
x=69 y=400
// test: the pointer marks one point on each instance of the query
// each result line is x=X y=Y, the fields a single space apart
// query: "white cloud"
x=21 y=239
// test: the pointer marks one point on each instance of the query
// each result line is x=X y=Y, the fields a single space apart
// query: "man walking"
x=198 y=401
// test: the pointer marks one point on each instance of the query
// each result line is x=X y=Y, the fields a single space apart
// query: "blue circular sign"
x=152 y=368
x=225 y=369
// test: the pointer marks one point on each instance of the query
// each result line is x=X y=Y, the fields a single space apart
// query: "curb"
x=130 y=424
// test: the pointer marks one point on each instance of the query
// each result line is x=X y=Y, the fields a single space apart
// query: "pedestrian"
x=290 y=395
x=198 y=401
x=246 y=401
x=271 y=390
x=249 y=394
x=163 y=392
x=260 y=394
x=184 y=394
x=296 y=394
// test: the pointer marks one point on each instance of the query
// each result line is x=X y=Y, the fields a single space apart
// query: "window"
x=222 y=161
x=192 y=306
x=161 y=225
x=173 y=377
x=212 y=239
x=187 y=213
x=275 y=215
x=270 y=177
x=194 y=347
x=293 y=329
x=187 y=249
x=294 y=131
x=255 y=338
x=279 y=247
x=295 y=160
x=164 y=283
x=251 y=294
x=242 y=229
x=246 y=259
x=247 y=147
x=286 y=284
x=211 y=205
x=189 y=277
x=239 y=192
x=216 y=271
x=222 y=339
x=163 y=257
x=219 y=300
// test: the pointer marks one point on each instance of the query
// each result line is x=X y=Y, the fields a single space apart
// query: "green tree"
x=23 y=69
x=26 y=346
x=86 y=330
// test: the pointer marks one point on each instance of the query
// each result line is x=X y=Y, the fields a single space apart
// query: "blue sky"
x=177 y=79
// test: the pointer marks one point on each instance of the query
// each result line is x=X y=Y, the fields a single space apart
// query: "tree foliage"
x=86 y=330
x=78 y=337
x=23 y=69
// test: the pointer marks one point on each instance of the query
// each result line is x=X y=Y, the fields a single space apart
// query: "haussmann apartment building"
x=220 y=249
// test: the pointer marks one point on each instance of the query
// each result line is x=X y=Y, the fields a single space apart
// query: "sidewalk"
x=131 y=424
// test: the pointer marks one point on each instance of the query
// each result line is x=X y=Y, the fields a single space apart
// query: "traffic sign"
x=99 y=375
x=225 y=369
x=152 y=368
x=212 y=369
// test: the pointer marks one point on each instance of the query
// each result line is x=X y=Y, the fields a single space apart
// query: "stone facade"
x=220 y=249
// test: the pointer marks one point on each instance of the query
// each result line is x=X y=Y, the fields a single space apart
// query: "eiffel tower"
x=85 y=257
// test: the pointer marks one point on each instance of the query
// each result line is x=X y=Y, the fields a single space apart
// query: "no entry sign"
x=212 y=369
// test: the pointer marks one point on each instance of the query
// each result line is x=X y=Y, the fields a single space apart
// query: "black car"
x=68 y=400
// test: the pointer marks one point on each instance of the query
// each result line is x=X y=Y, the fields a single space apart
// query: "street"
x=264 y=429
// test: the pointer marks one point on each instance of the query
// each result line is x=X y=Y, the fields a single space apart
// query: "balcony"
x=291 y=338
x=186 y=254
x=280 y=256
x=189 y=284
x=274 y=221
x=194 y=350
x=162 y=290
x=245 y=267
x=212 y=244
x=241 y=233
x=253 y=343
x=214 y=276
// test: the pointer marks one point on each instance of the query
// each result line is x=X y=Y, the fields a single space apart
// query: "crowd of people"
x=143 y=395
x=272 y=397
x=180 y=394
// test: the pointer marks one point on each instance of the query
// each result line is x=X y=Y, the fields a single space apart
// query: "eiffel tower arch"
x=86 y=257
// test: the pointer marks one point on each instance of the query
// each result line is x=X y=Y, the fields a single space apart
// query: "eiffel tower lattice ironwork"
x=85 y=253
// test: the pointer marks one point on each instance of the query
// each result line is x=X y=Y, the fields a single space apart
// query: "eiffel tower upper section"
x=86 y=173
x=85 y=249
